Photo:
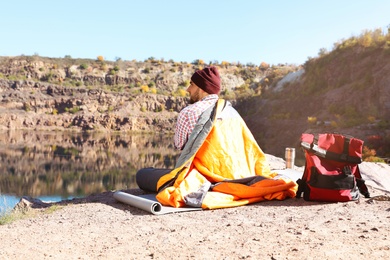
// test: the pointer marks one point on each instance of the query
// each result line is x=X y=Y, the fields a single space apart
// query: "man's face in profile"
x=195 y=92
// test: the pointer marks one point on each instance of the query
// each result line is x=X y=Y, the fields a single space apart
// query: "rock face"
x=165 y=76
x=48 y=93
x=37 y=105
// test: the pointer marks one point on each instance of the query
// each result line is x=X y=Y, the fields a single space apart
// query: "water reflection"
x=70 y=164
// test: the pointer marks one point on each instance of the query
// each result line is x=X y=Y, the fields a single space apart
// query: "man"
x=204 y=89
x=221 y=164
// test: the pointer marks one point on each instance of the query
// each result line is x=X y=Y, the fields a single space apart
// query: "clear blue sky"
x=211 y=30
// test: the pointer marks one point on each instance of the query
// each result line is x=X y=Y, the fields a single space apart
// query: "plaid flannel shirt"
x=188 y=117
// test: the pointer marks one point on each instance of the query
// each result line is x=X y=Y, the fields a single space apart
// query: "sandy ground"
x=99 y=227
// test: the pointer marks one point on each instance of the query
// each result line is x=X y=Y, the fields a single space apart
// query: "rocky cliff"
x=36 y=105
x=47 y=93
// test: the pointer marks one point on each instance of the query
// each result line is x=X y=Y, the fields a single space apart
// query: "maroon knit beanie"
x=207 y=79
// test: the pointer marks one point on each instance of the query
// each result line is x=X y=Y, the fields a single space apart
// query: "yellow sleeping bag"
x=223 y=167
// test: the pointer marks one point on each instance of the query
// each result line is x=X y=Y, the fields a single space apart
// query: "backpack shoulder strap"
x=302 y=182
x=361 y=183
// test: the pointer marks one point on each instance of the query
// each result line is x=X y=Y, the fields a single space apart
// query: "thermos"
x=290 y=157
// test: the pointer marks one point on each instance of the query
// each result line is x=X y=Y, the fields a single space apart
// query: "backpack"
x=331 y=170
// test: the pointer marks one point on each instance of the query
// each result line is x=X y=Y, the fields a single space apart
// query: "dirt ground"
x=99 y=227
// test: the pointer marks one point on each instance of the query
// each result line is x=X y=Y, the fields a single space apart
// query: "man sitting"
x=221 y=164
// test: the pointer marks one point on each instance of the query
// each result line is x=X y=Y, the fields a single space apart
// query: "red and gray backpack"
x=331 y=169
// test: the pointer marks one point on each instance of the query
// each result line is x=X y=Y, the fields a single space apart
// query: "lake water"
x=61 y=165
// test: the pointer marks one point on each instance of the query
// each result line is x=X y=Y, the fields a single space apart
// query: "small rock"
x=26 y=203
